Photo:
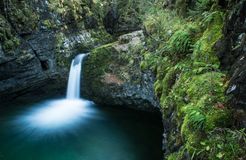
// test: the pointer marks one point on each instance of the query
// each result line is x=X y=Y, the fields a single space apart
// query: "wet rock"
x=2 y=57
x=23 y=72
x=38 y=63
x=43 y=46
x=232 y=52
x=112 y=75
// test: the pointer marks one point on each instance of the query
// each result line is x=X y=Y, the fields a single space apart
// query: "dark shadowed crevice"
x=44 y=65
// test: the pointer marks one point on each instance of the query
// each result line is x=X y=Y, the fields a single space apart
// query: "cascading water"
x=61 y=114
x=72 y=128
x=73 y=89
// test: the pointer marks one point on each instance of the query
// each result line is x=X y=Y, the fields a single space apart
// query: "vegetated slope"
x=184 y=48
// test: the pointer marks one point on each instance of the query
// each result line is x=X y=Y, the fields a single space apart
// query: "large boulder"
x=112 y=75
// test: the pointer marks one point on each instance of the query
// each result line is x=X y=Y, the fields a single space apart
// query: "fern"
x=196 y=118
x=180 y=43
x=201 y=6
x=210 y=17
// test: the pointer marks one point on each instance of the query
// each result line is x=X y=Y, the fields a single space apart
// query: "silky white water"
x=72 y=128
x=73 y=88
x=62 y=114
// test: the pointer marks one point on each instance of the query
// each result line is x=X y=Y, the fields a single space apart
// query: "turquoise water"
x=96 y=133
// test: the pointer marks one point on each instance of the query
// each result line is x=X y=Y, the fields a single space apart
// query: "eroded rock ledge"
x=112 y=75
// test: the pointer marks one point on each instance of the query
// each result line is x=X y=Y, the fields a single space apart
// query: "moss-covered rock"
x=22 y=16
x=7 y=37
x=36 y=29
x=203 y=48
x=112 y=75
x=190 y=84
x=71 y=43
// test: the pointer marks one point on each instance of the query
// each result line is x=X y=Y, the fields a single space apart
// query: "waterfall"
x=59 y=115
x=73 y=88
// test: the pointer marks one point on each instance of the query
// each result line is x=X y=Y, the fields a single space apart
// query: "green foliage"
x=49 y=24
x=175 y=156
x=180 y=43
x=181 y=6
x=210 y=18
x=7 y=38
x=104 y=54
x=161 y=24
x=195 y=8
x=190 y=84
x=149 y=62
x=224 y=144
x=130 y=11
x=201 y=67
x=209 y=83
x=196 y=118
x=67 y=8
x=204 y=5
x=22 y=15
x=101 y=37
x=218 y=117
x=203 y=48
x=168 y=81
x=76 y=11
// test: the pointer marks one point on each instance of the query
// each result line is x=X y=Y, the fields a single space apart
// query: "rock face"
x=38 y=40
x=112 y=75
x=232 y=53
x=121 y=17
x=31 y=64
x=36 y=51
x=26 y=71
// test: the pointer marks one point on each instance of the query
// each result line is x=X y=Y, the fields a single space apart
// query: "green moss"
x=49 y=24
x=203 y=48
x=7 y=37
x=67 y=9
x=78 y=11
x=203 y=5
x=218 y=117
x=180 y=42
x=100 y=62
x=225 y=144
x=163 y=64
x=149 y=62
x=23 y=16
x=209 y=83
x=100 y=37
x=162 y=23
x=168 y=81
x=163 y=85
x=105 y=54
x=175 y=156
x=108 y=55
x=184 y=57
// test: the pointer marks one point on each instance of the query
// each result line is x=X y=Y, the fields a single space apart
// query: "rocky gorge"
x=183 y=58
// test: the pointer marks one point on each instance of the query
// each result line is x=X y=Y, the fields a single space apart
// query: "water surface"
x=94 y=133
